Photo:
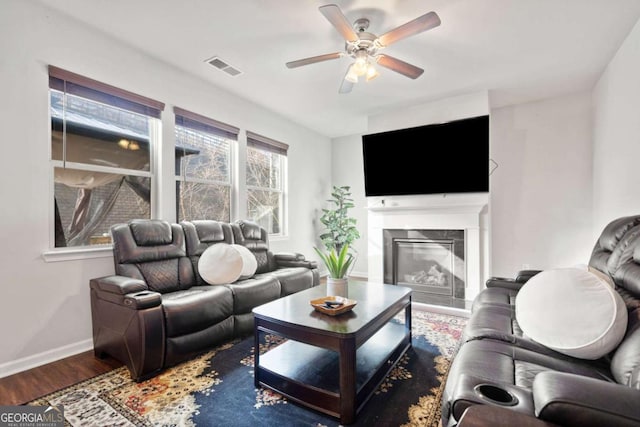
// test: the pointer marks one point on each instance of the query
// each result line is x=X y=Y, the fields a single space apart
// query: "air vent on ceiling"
x=223 y=66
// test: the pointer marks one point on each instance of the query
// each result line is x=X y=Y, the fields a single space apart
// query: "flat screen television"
x=450 y=157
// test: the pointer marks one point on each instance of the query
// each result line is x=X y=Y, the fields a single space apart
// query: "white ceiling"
x=518 y=50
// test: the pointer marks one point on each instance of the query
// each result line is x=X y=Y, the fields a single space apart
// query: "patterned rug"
x=216 y=389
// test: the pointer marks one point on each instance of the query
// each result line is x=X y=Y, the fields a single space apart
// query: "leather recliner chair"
x=493 y=310
x=499 y=367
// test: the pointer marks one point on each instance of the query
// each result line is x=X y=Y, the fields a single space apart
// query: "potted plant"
x=340 y=232
x=338 y=265
x=340 y=227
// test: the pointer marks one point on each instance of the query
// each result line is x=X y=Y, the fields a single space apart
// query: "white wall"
x=540 y=204
x=44 y=307
x=440 y=111
x=616 y=137
x=540 y=195
x=346 y=159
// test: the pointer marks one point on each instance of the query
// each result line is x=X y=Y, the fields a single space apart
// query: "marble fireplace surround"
x=468 y=212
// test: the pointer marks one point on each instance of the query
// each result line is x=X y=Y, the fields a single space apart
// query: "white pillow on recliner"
x=220 y=264
x=224 y=263
x=572 y=311
x=249 y=262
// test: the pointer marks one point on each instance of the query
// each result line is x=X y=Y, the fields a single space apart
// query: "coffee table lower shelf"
x=311 y=375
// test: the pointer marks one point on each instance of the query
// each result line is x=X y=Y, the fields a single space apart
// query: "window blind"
x=75 y=84
x=197 y=122
x=258 y=141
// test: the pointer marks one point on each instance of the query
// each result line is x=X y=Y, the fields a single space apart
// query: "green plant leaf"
x=340 y=229
x=337 y=263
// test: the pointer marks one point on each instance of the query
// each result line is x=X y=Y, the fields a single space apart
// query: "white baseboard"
x=19 y=365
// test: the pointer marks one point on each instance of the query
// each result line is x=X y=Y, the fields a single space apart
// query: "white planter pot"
x=337 y=287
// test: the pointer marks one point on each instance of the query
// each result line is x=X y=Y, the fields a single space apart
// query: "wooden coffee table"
x=333 y=364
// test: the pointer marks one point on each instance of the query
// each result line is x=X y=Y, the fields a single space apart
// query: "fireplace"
x=415 y=215
x=430 y=262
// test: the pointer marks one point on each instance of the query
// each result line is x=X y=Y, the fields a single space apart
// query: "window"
x=266 y=175
x=102 y=140
x=203 y=167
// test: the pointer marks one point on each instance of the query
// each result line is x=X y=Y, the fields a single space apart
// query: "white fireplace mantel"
x=455 y=203
x=466 y=212
x=453 y=209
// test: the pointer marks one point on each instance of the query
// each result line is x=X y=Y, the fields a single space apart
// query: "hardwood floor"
x=26 y=386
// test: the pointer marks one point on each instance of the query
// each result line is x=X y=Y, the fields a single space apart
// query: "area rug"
x=216 y=389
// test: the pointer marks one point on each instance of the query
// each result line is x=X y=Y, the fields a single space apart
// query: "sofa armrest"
x=120 y=285
x=293 y=259
x=496 y=416
x=569 y=399
x=523 y=275
x=132 y=293
x=503 y=282
x=289 y=256
x=128 y=324
x=143 y=299
x=514 y=284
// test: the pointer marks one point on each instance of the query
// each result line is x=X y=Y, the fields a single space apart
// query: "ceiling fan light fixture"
x=360 y=69
x=352 y=74
x=362 y=62
x=361 y=56
x=372 y=73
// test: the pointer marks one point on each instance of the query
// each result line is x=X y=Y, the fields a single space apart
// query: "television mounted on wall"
x=442 y=158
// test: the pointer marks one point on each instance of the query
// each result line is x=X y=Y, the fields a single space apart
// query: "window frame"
x=113 y=97
x=194 y=122
x=259 y=142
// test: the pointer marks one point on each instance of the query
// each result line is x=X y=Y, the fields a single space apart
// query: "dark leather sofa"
x=499 y=367
x=157 y=311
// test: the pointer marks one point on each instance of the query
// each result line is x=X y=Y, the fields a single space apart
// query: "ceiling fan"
x=365 y=47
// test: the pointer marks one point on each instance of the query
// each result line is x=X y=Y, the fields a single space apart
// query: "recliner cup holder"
x=494 y=394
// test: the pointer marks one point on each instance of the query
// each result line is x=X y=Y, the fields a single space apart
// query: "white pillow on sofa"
x=249 y=262
x=607 y=279
x=223 y=263
x=572 y=311
x=220 y=264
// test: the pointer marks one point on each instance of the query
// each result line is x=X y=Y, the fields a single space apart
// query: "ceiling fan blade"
x=314 y=59
x=423 y=23
x=399 y=66
x=334 y=15
x=346 y=85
